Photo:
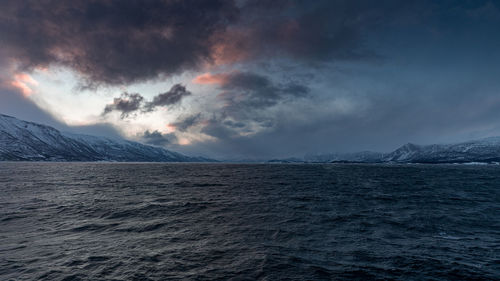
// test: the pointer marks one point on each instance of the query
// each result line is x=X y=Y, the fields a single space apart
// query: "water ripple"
x=104 y=221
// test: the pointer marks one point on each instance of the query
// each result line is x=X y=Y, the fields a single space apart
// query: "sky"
x=252 y=79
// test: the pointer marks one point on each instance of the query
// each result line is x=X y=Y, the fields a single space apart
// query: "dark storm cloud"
x=246 y=93
x=441 y=105
x=131 y=103
x=184 y=123
x=251 y=90
x=321 y=31
x=126 y=104
x=121 y=42
x=214 y=127
x=111 y=41
x=313 y=31
x=171 y=97
x=157 y=138
x=245 y=97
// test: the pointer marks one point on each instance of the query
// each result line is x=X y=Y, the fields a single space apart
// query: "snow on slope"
x=484 y=150
x=480 y=151
x=21 y=140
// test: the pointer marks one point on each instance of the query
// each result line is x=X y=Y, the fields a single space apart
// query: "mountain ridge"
x=486 y=150
x=29 y=141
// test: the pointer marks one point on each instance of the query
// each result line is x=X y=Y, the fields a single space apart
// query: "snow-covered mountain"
x=484 y=150
x=481 y=151
x=27 y=141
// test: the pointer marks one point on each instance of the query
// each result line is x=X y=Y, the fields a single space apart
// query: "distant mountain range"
x=480 y=151
x=27 y=141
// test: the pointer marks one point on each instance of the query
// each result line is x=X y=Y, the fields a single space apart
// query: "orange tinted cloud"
x=208 y=78
x=22 y=82
x=171 y=128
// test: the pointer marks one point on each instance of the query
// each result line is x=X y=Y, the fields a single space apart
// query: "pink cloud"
x=171 y=128
x=22 y=82
x=209 y=78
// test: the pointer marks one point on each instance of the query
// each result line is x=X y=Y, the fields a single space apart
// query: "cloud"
x=379 y=110
x=126 y=104
x=130 y=103
x=98 y=129
x=306 y=31
x=214 y=127
x=184 y=123
x=116 y=42
x=113 y=42
x=243 y=93
x=245 y=98
x=24 y=82
x=14 y=103
x=172 y=97
x=209 y=78
x=438 y=79
x=157 y=138
x=250 y=89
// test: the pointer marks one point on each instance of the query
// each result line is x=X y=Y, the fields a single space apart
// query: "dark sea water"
x=98 y=221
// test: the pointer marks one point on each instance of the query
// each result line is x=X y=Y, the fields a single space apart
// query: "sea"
x=180 y=221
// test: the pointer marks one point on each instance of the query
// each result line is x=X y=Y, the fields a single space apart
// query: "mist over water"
x=112 y=221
